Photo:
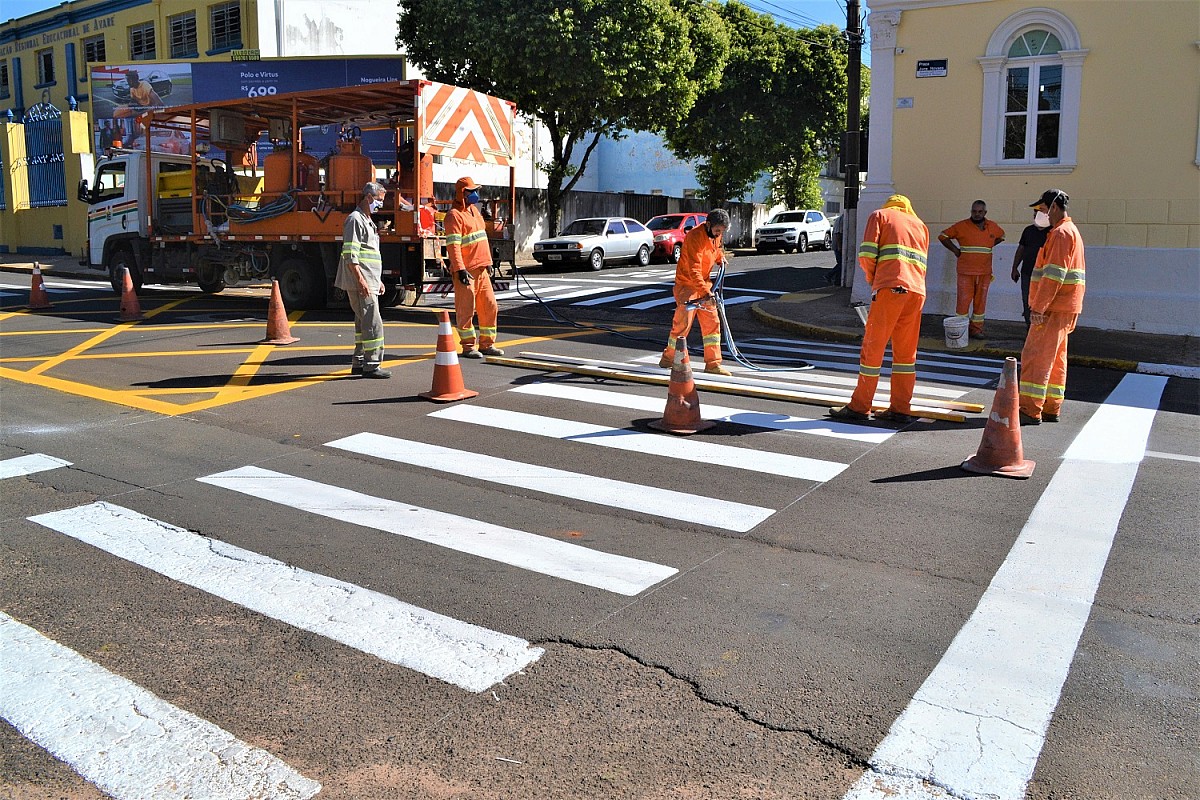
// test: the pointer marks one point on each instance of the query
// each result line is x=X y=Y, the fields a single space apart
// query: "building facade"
x=1099 y=100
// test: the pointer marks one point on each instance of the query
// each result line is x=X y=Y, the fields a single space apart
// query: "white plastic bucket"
x=956 y=331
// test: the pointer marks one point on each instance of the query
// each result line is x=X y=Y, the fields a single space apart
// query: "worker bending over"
x=702 y=250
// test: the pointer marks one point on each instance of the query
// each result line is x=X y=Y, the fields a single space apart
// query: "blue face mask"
x=471 y=197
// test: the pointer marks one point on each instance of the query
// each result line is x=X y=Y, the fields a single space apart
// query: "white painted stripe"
x=733 y=301
x=1175 y=370
x=775 y=464
x=441 y=647
x=561 y=483
x=983 y=360
x=623 y=296
x=923 y=368
x=555 y=290
x=662 y=301
x=126 y=741
x=757 y=419
x=559 y=559
x=27 y=465
x=977 y=725
x=582 y=292
x=1173 y=456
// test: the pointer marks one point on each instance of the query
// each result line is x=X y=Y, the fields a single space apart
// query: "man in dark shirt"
x=1032 y=239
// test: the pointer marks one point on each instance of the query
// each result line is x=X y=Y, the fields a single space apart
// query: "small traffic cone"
x=278 y=331
x=447 y=374
x=38 y=300
x=682 y=414
x=131 y=309
x=1000 y=451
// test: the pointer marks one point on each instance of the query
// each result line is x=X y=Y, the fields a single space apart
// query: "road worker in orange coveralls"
x=976 y=237
x=893 y=255
x=702 y=250
x=470 y=256
x=1055 y=300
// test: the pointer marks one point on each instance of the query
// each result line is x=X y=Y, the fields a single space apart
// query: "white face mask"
x=376 y=205
x=1041 y=219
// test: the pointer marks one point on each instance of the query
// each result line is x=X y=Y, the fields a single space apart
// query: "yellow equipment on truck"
x=215 y=222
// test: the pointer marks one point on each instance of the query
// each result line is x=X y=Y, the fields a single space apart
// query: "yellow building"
x=1000 y=100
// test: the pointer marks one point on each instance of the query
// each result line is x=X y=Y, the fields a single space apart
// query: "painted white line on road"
x=1173 y=370
x=27 y=465
x=607 y=571
x=775 y=464
x=733 y=301
x=977 y=725
x=623 y=296
x=662 y=301
x=855 y=349
x=129 y=743
x=1173 y=456
x=757 y=419
x=926 y=360
x=561 y=483
x=441 y=647
x=581 y=292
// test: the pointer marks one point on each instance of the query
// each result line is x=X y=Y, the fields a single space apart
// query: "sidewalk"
x=825 y=314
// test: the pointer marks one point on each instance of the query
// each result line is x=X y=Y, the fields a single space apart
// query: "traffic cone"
x=131 y=309
x=682 y=414
x=1000 y=451
x=278 y=331
x=447 y=374
x=38 y=300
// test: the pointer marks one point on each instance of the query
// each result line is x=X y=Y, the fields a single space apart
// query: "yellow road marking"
x=95 y=340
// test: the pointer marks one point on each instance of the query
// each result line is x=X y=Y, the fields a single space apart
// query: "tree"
x=585 y=69
x=781 y=94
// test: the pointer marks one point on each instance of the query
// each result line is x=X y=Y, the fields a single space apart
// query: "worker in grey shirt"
x=360 y=275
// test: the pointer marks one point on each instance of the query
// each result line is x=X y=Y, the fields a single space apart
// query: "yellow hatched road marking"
x=95 y=340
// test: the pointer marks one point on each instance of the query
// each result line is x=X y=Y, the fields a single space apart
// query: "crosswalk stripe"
x=662 y=301
x=29 y=464
x=623 y=296
x=579 y=293
x=777 y=464
x=123 y=739
x=977 y=725
x=561 y=483
x=925 y=369
x=757 y=419
x=978 y=363
x=571 y=562
x=441 y=647
x=733 y=301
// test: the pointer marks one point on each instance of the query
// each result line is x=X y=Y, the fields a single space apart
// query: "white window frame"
x=995 y=68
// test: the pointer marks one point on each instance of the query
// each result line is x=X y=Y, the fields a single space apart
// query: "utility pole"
x=852 y=142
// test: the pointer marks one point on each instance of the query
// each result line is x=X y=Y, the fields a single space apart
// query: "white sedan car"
x=595 y=240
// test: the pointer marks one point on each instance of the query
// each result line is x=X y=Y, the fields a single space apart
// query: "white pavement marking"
x=614 y=573
x=623 y=296
x=580 y=293
x=131 y=744
x=757 y=419
x=1175 y=370
x=977 y=725
x=561 y=483
x=662 y=301
x=775 y=464
x=733 y=301
x=1173 y=456
x=441 y=647
x=27 y=465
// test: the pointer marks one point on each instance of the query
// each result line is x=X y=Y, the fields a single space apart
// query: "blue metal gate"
x=45 y=161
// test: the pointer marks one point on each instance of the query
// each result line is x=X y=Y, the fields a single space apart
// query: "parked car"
x=792 y=231
x=669 y=230
x=596 y=240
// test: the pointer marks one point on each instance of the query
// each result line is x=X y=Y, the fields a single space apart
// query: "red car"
x=669 y=230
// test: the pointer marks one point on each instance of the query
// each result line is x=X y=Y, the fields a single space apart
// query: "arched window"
x=1032 y=74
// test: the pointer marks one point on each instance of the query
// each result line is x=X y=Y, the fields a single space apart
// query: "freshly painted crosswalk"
x=128 y=742
x=607 y=492
x=441 y=647
x=29 y=465
x=614 y=573
x=775 y=464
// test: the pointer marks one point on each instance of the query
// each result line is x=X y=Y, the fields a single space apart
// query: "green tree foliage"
x=585 y=69
x=781 y=100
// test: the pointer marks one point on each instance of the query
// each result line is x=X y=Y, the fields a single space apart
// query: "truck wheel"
x=802 y=243
x=301 y=284
x=119 y=260
x=596 y=259
x=675 y=253
x=211 y=279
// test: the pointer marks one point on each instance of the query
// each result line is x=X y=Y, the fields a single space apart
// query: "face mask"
x=472 y=198
x=1041 y=219
x=376 y=205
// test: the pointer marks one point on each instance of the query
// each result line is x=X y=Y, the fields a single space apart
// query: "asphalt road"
x=795 y=610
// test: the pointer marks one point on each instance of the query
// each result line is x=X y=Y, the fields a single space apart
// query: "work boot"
x=376 y=373
x=716 y=369
x=666 y=363
x=849 y=414
x=492 y=350
x=895 y=416
x=1028 y=420
x=471 y=352
x=356 y=368
x=1048 y=417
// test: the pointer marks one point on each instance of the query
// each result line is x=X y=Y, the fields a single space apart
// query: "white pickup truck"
x=794 y=231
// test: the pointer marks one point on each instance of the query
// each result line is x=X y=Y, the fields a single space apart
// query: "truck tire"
x=301 y=284
x=121 y=259
x=211 y=279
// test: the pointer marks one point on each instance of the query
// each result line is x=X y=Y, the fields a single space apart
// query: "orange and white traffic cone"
x=131 y=309
x=682 y=414
x=278 y=330
x=1000 y=451
x=447 y=374
x=38 y=299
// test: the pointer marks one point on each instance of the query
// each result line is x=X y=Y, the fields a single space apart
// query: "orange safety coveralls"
x=1056 y=291
x=468 y=248
x=974 y=266
x=693 y=280
x=893 y=255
